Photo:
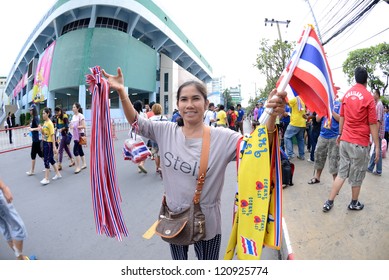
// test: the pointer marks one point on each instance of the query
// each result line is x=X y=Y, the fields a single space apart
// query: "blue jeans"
x=299 y=133
x=379 y=163
x=314 y=136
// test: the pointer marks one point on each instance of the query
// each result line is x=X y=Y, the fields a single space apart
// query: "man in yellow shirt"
x=296 y=128
x=221 y=117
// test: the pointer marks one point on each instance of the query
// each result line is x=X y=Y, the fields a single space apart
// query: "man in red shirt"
x=358 y=119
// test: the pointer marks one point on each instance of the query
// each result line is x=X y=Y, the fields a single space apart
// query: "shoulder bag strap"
x=203 y=163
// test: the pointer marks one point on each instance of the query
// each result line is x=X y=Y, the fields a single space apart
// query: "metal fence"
x=21 y=138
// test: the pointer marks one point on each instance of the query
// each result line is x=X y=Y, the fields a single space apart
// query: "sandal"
x=142 y=169
x=313 y=181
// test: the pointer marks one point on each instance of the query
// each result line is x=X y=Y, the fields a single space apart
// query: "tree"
x=374 y=59
x=227 y=98
x=271 y=61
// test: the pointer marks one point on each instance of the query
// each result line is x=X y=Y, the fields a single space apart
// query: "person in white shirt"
x=210 y=115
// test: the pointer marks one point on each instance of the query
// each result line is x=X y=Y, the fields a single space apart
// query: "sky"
x=227 y=33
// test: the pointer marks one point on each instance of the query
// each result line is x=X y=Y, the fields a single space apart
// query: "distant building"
x=235 y=94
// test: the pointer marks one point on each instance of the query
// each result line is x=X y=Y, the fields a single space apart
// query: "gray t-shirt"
x=180 y=159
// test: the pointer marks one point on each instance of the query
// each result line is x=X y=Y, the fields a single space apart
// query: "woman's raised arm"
x=117 y=83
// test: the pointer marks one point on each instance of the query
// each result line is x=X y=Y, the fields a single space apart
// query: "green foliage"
x=227 y=99
x=28 y=118
x=270 y=62
x=375 y=59
x=22 y=118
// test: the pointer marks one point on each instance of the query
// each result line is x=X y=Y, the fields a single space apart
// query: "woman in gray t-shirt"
x=180 y=148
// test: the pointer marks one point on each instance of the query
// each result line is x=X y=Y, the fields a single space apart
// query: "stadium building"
x=74 y=35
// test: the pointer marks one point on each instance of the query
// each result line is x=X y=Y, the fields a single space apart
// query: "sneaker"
x=357 y=206
x=376 y=173
x=291 y=157
x=45 y=181
x=310 y=161
x=327 y=206
x=57 y=177
x=301 y=158
x=29 y=173
x=369 y=171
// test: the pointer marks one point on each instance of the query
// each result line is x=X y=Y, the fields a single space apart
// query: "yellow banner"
x=250 y=222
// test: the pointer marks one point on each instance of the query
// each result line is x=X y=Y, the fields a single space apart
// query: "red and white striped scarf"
x=106 y=196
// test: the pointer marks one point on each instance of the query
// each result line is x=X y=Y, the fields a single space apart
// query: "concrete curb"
x=286 y=247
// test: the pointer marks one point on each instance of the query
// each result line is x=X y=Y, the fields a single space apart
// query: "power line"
x=360 y=42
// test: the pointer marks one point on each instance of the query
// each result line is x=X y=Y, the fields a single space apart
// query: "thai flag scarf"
x=258 y=218
x=106 y=196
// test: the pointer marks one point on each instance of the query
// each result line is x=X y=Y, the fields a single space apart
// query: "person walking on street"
x=62 y=126
x=296 y=128
x=49 y=148
x=138 y=107
x=210 y=115
x=36 y=142
x=358 y=119
x=327 y=146
x=381 y=134
x=221 y=117
x=240 y=119
x=79 y=126
x=180 y=148
x=9 y=124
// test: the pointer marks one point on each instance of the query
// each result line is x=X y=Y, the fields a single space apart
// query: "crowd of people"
x=53 y=136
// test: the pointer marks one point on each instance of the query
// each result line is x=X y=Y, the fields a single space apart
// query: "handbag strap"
x=203 y=163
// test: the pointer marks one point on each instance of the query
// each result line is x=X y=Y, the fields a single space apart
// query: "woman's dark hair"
x=138 y=106
x=78 y=106
x=34 y=112
x=199 y=86
x=59 y=109
x=47 y=111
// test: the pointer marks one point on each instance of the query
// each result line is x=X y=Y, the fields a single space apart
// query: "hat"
x=32 y=107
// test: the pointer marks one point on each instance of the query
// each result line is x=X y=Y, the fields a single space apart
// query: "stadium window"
x=166 y=82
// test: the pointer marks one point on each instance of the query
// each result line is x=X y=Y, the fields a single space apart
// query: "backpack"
x=229 y=118
x=287 y=172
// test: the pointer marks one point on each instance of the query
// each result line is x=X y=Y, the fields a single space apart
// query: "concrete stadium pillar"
x=82 y=96
x=50 y=100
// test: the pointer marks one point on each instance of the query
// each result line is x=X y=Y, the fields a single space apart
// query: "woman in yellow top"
x=48 y=147
x=221 y=117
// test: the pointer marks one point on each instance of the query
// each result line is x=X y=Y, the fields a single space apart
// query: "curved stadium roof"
x=145 y=22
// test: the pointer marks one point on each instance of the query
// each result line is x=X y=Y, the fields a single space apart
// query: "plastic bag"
x=135 y=149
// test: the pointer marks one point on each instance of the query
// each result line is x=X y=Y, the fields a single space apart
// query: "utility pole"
x=278 y=22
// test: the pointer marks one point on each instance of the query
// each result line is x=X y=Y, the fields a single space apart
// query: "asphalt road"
x=59 y=216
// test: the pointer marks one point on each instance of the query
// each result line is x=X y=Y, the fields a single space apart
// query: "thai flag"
x=309 y=76
x=249 y=246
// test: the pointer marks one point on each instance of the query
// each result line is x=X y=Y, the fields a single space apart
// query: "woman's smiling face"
x=191 y=104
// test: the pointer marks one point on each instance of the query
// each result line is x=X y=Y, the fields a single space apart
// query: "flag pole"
x=288 y=72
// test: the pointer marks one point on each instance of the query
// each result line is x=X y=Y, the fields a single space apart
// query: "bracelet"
x=270 y=132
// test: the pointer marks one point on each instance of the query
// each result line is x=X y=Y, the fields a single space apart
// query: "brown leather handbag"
x=188 y=226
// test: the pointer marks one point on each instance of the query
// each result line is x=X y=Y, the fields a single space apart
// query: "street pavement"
x=339 y=234
x=59 y=216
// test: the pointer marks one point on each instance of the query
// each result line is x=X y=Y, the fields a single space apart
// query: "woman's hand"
x=115 y=82
x=277 y=102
